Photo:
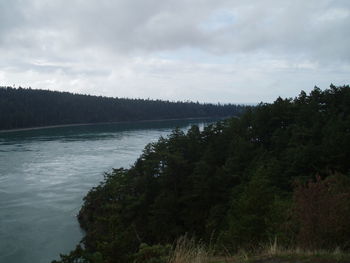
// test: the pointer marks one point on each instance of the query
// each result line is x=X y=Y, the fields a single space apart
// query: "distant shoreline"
x=97 y=123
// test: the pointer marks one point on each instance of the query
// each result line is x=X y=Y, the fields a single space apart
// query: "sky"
x=228 y=51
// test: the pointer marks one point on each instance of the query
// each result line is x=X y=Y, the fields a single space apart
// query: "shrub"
x=322 y=212
x=152 y=254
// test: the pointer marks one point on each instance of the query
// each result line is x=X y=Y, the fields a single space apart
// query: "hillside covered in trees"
x=23 y=108
x=279 y=172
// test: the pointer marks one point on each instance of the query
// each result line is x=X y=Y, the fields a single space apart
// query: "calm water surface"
x=44 y=174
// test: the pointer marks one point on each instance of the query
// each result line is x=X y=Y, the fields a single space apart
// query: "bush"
x=322 y=212
x=152 y=254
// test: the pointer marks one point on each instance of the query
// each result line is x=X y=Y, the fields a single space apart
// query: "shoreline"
x=99 y=123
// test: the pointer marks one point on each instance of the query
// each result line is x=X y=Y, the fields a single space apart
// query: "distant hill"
x=24 y=108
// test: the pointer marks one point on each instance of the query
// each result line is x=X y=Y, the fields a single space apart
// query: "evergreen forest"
x=278 y=172
x=25 y=108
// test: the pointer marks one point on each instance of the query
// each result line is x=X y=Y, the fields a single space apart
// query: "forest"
x=279 y=172
x=25 y=107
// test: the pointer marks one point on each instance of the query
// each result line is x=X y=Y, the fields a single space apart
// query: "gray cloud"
x=211 y=47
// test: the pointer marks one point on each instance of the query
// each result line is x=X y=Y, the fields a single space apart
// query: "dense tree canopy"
x=22 y=108
x=231 y=184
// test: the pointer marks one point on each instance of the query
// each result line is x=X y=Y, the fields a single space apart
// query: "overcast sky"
x=236 y=51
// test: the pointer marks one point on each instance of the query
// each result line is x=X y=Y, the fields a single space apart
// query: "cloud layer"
x=223 y=50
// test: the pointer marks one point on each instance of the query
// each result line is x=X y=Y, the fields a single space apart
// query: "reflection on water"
x=44 y=174
x=93 y=131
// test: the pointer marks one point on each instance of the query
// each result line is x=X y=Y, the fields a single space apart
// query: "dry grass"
x=275 y=251
x=188 y=251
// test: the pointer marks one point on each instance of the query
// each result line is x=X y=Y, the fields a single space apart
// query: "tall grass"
x=189 y=251
x=274 y=250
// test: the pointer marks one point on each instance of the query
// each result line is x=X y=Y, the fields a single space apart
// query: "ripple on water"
x=44 y=175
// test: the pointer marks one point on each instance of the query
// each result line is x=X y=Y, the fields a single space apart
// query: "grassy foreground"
x=187 y=251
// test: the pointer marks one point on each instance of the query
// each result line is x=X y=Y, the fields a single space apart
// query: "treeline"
x=279 y=172
x=22 y=108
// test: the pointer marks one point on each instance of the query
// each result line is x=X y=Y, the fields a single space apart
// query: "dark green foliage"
x=257 y=214
x=79 y=255
x=152 y=254
x=22 y=108
x=231 y=184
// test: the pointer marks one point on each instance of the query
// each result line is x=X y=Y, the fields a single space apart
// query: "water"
x=44 y=174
